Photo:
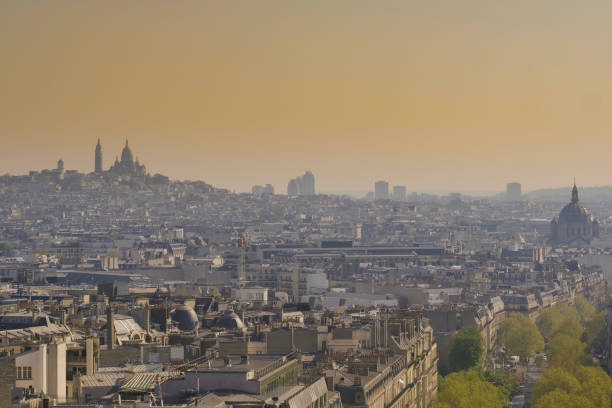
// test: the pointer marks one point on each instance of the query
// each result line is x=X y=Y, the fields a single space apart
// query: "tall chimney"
x=166 y=318
x=111 y=328
x=147 y=319
x=90 y=358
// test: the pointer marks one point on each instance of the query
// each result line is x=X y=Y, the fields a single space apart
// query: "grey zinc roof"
x=101 y=380
x=309 y=394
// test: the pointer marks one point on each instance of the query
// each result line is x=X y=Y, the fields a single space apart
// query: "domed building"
x=128 y=166
x=574 y=225
x=229 y=320
x=185 y=318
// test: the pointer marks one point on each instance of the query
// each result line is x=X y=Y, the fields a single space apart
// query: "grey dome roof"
x=572 y=213
x=186 y=318
x=229 y=320
x=126 y=154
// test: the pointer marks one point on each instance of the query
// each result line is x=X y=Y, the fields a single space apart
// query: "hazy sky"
x=436 y=95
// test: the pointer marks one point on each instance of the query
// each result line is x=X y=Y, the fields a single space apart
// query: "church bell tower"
x=98 y=163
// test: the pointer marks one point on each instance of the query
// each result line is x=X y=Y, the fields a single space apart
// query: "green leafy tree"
x=567 y=352
x=550 y=320
x=466 y=349
x=595 y=385
x=521 y=336
x=569 y=327
x=554 y=378
x=589 y=386
x=546 y=322
x=572 y=379
x=561 y=399
x=584 y=308
x=466 y=389
x=5 y=249
x=503 y=380
x=594 y=332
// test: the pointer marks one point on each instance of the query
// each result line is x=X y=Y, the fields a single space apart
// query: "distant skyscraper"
x=381 y=190
x=308 y=184
x=260 y=190
x=399 y=193
x=257 y=190
x=268 y=189
x=513 y=191
x=98 y=161
x=293 y=187
x=303 y=185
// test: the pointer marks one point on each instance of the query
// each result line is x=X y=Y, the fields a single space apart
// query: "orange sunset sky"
x=435 y=95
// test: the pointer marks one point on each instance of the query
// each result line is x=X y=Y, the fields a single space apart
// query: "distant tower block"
x=98 y=162
x=399 y=193
x=381 y=190
x=513 y=191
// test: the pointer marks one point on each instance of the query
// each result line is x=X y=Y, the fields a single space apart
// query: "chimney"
x=90 y=358
x=166 y=318
x=110 y=323
x=329 y=381
x=147 y=319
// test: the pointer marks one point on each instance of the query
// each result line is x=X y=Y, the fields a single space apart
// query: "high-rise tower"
x=381 y=190
x=98 y=165
x=308 y=184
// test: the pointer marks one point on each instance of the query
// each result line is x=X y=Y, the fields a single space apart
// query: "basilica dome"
x=574 y=225
x=126 y=154
x=573 y=212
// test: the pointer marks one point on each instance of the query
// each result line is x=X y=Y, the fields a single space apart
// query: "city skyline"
x=305 y=204
x=99 y=165
x=432 y=95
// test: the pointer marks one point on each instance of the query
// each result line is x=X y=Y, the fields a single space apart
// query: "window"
x=24 y=373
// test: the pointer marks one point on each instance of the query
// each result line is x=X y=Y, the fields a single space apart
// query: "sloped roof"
x=308 y=395
x=141 y=383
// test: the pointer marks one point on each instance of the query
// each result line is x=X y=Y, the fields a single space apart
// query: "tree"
x=466 y=389
x=572 y=379
x=561 y=399
x=569 y=327
x=521 y=336
x=584 y=308
x=503 y=380
x=594 y=331
x=466 y=349
x=589 y=387
x=595 y=385
x=567 y=352
x=546 y=322
x=549 y=321
x=5 y=249
x=555 y=378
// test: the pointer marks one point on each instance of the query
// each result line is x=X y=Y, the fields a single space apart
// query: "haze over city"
x=438 y=96
x=305 y=204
